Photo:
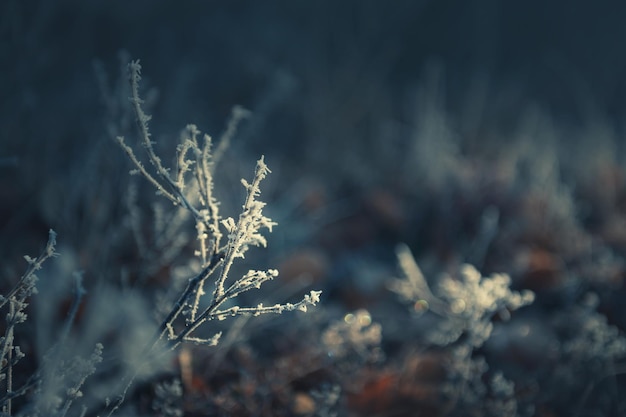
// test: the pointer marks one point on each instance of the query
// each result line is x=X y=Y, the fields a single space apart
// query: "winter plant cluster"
x=466 y=306
x=59 y=381
x=190 y=185
x=210 y=294
x=355 y=337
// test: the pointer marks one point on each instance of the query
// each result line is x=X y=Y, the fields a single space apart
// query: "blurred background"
x=336 y=88
x=382 y=122
x=482 y=132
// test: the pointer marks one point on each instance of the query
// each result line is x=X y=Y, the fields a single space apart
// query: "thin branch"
x=34 y=265
x=245 y=232
x=142 y=120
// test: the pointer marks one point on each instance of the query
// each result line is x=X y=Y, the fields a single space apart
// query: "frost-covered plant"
x=167 y=400
x=471 y=385
x=474 y=300
x=58 y=382
x=591 y=338
x=189 y=185
x=61 y=382
x=466 y=306
x=17 y=300
x=467 y=303
x=356 y=336
x=592 y=354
